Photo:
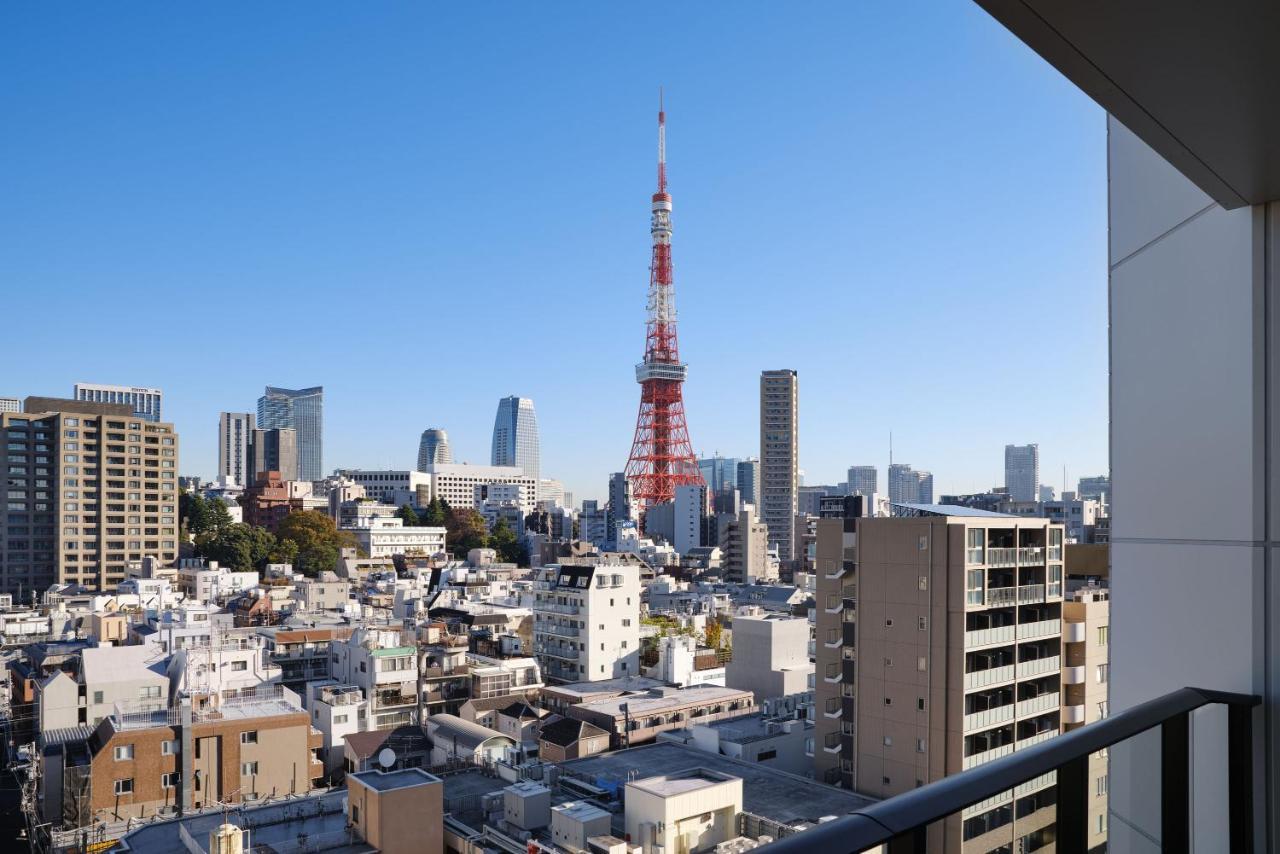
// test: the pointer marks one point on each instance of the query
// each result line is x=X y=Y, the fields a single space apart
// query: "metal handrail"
x=902 y=821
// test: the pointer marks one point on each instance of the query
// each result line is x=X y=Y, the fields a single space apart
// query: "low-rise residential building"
x=770 y=654
x=140 y=762
x=389 y=536
x=637 y=718
x=562 y=738
x=458 y=741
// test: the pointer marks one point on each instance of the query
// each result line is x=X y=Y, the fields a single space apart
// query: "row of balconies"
x=1009 y=672
x=550 y=628
x=1006 y=713
x=1027 y=593
x=556 y=608
x=1024 y=556
x=1008 y=634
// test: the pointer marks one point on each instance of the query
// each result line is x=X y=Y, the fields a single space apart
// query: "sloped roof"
x=567 y=731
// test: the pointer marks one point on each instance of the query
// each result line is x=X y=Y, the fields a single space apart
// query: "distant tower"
x=661 y=455
x=515 y=436
x=433 y=448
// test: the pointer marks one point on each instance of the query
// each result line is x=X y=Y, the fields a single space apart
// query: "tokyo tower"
x=661 y=454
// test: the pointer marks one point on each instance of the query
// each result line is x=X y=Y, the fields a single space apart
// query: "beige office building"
x=90 y=487
x=1086 y=682
x=780 y=457
x=955 y=660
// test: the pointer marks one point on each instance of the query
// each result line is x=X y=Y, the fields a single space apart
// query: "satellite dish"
x=386 y=757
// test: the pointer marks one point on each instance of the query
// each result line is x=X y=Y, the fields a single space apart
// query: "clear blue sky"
x=424 y=209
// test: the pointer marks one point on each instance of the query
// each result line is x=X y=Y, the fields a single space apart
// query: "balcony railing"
x=1039 y=629
x=1038 y=705
x=1031 y=593
x=1002 y=595
x=901 y=823
x=988 y=718
x=990 y=676
x=986 y=637
x=1038 y=666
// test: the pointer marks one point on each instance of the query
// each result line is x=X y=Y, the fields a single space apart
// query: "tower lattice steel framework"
x=661 y=455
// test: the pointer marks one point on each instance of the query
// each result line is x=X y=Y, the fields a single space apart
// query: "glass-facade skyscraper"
x=433 y=448
x=719 y=472
x=515 y=436
x=303 y=411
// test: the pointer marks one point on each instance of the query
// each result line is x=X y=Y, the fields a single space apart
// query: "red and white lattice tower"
x=661 y=455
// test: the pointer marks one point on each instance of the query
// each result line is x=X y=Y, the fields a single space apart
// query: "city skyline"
x=311 y=249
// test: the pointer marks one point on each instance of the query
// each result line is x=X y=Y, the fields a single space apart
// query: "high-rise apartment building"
x=235 y=447
x=433 y=448
x=949 y=657
x=619 y=508
x=144 y=402
x=301 y=410
x=779 y=457
x=91 y=487
x=862 y=480
x=744 y=542
x=10 y=404
x=1022 y=472
x=908 y=486
x=749 y=480
x=515 y=436
x=587 y=621
x=275 y=450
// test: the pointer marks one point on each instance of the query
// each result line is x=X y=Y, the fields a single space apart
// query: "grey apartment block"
x=779 y=457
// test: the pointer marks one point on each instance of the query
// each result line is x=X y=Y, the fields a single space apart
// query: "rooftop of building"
x=681 y=782
x=320 y=818
x=586 y=691
x=566 y=731
x=776 y=795
x=950 y=510
x=387 y=781
x=402 y=739
x=456 y=730
x=667 y=698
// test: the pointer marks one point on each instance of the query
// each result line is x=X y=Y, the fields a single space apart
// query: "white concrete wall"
x=1189 y=347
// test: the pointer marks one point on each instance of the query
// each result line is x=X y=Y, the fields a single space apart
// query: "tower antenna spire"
x=662 y=145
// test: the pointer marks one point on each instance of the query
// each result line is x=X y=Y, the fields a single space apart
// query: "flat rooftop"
x=645 y=704
x=583 y=691
x=388 y=781
x=668 y=785
x=768 y=792
x=279 y=824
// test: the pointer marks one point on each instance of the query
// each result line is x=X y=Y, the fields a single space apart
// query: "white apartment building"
x=382 y=663
x=587 y=621
x=388 y=536
x=678 y=664
x=388 y=486
x=207 y=582
x=470 y=486
x=337 y=711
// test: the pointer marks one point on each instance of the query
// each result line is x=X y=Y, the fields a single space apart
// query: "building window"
x=888 y=741
x=1104 y=673
x=1100 y=786
x=1104 y=635
x=249 y=737
x=888 y=701
x=169 y=747
x=340 y=719
x=150 y=692
x=248 y=769
x=170 y=780
x=239 y=665
x=919 y=704
x=124 y=752
x=922 y=664
x=922 y=623
x=355 y=814
x=920 y=745
x=766 y=755
x=124 y=787
x=97 y=697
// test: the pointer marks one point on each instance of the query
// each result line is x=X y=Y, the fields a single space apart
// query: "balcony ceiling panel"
x=1197 y=81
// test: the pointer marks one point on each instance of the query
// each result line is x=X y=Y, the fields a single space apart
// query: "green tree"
x=409 y=517
x=434 y=515
x=219 y=516
x=503 y=540
x=465 y=531
x=194 y=514
x=317 y=539
x=239 y=547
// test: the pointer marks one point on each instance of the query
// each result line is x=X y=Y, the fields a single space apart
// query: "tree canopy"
x=465 y=531
x=409 y=517
x=316 y=538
